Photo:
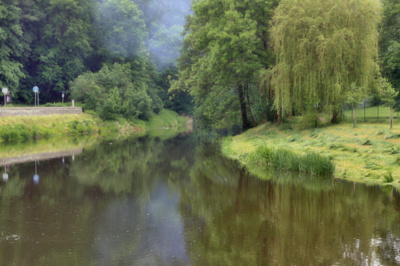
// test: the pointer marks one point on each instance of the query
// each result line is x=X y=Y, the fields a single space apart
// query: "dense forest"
x=228 y=62
x=97 y=52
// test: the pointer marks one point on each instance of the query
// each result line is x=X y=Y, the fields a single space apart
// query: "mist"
x=165 y=21
x=130 y=28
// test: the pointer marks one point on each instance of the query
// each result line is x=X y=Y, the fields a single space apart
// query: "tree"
x=354 y=96
x=11 y=45
x=388 y=96
x=389 y=44
x=60 y=51
x=224 y=47
x=322 y=47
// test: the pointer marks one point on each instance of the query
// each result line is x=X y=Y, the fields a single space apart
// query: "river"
x=149 y=201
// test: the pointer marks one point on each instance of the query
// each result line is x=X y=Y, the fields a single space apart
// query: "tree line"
x=245 y=62
x=242 y=62
x=117 y=54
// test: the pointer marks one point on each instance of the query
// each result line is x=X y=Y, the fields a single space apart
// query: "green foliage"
x=112 y=92
x=64 y=44
x=224 y=48
x=137 y=104
x=111 y=107
x=354 y=95
x=11 y=45
x=20 y=133
x=387 y=93
x=49 y=43
x=389 y=45
x=322 y=48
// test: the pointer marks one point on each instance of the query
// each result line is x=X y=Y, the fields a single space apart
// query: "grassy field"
x=66 y=132
x=369 y=153
x=25 y=128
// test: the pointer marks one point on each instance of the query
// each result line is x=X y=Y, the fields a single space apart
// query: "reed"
x=311 y=162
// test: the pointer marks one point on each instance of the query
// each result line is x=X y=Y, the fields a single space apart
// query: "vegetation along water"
x=144 y=200
x=306 y=94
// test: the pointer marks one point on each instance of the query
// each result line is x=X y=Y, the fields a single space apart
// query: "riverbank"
x=369 y=153
x=24 y=128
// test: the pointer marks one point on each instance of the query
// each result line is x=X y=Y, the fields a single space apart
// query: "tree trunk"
x=354 y=116
x=279 y=116
x=391 y=117
x=335 y=117
x=243 y=108
x=253 y=120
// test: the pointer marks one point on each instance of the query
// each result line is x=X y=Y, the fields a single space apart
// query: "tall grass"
x=312 y=162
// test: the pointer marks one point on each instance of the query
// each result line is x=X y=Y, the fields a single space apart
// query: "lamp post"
x=5 y=91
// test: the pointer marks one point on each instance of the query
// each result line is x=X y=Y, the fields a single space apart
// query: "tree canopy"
x=322 y=47
x=241 y=62
x=50 y=43
x=224 y=48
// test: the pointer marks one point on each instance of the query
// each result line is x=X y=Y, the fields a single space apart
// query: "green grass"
x=17 y=129
x=365 y=154
x=311 y=162
x=26 y=128
x=166 y=119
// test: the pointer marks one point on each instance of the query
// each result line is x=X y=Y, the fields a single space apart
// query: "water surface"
x=147 y=201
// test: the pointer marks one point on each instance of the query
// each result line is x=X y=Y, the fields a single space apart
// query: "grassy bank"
x=25 y=128
x=369 y=153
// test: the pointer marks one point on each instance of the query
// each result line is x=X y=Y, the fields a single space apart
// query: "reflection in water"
x=147 y=201
x=152 y=235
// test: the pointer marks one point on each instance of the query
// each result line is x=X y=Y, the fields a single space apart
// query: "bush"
x=111 y=92
x=111 y=108
x=138 y=105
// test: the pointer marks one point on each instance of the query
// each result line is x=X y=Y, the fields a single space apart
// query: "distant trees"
x=49 y=43
x=322 y=48
x=62 y=46
x=11 y=44
x=389 y=45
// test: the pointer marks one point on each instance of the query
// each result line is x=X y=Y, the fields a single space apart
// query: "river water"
x=148 y=201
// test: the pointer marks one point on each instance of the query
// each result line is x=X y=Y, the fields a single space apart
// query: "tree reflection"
x=232 y=218
x=174 y=202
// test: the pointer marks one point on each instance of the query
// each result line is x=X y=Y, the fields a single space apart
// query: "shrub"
x=112 y=106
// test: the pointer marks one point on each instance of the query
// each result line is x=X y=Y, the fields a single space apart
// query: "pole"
x=35 y=99
x=364 y=112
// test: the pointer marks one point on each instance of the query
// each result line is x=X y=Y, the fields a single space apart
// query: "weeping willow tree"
x=322 y=47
